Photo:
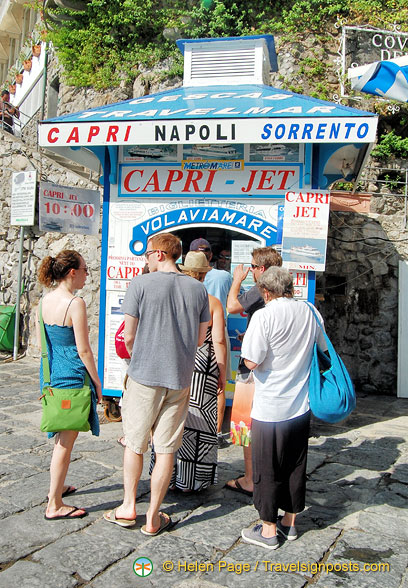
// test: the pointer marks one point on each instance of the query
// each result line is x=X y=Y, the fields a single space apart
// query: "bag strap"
x=330 y=348
x=44 y=350
x=44 y=354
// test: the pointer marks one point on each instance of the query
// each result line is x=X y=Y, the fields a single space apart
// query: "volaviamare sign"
x=250 y=114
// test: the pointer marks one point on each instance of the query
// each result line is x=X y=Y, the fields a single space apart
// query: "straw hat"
x=195 y=261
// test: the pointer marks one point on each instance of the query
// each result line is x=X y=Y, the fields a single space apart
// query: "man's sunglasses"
x=152 y=251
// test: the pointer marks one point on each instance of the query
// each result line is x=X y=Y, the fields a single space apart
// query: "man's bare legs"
x=160 y=480
x=132 y=470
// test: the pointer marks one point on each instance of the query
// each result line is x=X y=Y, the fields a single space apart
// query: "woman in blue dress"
x=70 y=357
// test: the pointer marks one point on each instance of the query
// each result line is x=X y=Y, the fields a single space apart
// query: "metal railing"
x=391 y=181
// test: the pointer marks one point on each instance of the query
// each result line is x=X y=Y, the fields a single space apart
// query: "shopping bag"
x=331 y=392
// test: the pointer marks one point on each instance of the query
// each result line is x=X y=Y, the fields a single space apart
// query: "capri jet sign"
x=305 y=228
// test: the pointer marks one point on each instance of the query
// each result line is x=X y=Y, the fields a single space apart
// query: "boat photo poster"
x=305 y=226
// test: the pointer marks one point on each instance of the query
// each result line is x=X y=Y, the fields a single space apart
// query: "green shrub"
x=391 y=145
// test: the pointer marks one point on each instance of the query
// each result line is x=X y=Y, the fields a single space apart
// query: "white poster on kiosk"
x=305 y=227
x=133 y=221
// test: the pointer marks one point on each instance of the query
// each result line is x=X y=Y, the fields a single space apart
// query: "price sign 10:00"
x=86 y=210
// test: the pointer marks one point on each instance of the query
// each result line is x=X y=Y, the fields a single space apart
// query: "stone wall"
x=358 y=293
x=17 y=156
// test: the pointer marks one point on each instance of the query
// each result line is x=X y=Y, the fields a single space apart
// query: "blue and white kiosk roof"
x=246 y=114
x=224 y=100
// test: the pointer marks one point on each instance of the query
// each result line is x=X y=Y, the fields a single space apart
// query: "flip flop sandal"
x=68 y=515
x=238 y=488
x=165 y=523
x=121 y=441
x=110 y=516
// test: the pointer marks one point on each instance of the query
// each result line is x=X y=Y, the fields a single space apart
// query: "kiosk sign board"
x=305 y=228
x=65 y=209
x=23 y=194
x=364 y=45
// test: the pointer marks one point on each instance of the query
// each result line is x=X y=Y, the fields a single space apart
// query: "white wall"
x=402 y=388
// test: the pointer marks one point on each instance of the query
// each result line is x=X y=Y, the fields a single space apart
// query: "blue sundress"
x=66 y=367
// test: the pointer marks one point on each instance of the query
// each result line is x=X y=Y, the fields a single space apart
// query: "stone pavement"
x=354 y=532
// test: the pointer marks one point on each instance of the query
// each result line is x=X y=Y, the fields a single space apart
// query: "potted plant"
x=36 y=50
x=27 y=64
x=19 y=78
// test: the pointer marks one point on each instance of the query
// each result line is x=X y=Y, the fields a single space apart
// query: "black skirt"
x=279 y=457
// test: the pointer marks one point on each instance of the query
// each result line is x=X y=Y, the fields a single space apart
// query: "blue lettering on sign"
x=207 y=215
x=314 y=131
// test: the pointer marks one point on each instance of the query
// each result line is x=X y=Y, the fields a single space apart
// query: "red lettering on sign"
x=285 y=173
x=112 y=132
x=265 y=178
x=123 y=272
x=192 y=179
x=175 y=175
x=51 y=138
x=153 y=181
x=74 y=135
x=93 y=131
x=126 y=181
x=308 y=197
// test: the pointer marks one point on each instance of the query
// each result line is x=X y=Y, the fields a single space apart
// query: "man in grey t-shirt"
x=166 y=318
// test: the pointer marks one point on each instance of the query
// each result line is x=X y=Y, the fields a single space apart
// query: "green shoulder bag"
x=64 y=409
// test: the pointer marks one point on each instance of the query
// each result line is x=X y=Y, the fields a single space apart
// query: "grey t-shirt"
x=170 y=307
x=251 y=301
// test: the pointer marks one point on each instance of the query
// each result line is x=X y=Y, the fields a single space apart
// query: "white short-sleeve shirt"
x=280 y=339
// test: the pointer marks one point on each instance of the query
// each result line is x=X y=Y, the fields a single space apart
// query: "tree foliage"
x=113 y=38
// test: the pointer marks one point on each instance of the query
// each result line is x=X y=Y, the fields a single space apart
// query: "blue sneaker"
x=289 y=533
x=255 y=536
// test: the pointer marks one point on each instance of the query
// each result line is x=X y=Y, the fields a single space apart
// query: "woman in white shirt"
x=278 y=346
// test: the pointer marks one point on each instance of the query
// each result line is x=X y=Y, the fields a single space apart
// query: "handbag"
x=331 y=391
x=120 y=346
x=64 y=409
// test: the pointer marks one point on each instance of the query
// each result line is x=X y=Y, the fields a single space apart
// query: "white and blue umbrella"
x=388 y=79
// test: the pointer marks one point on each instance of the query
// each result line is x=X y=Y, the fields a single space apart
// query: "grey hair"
x=276 y=280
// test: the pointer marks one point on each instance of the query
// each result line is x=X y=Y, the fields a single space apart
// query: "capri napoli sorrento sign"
x=247 y=114
x=284 y=130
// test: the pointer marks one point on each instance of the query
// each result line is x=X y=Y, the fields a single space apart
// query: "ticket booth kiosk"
x=225 y=157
